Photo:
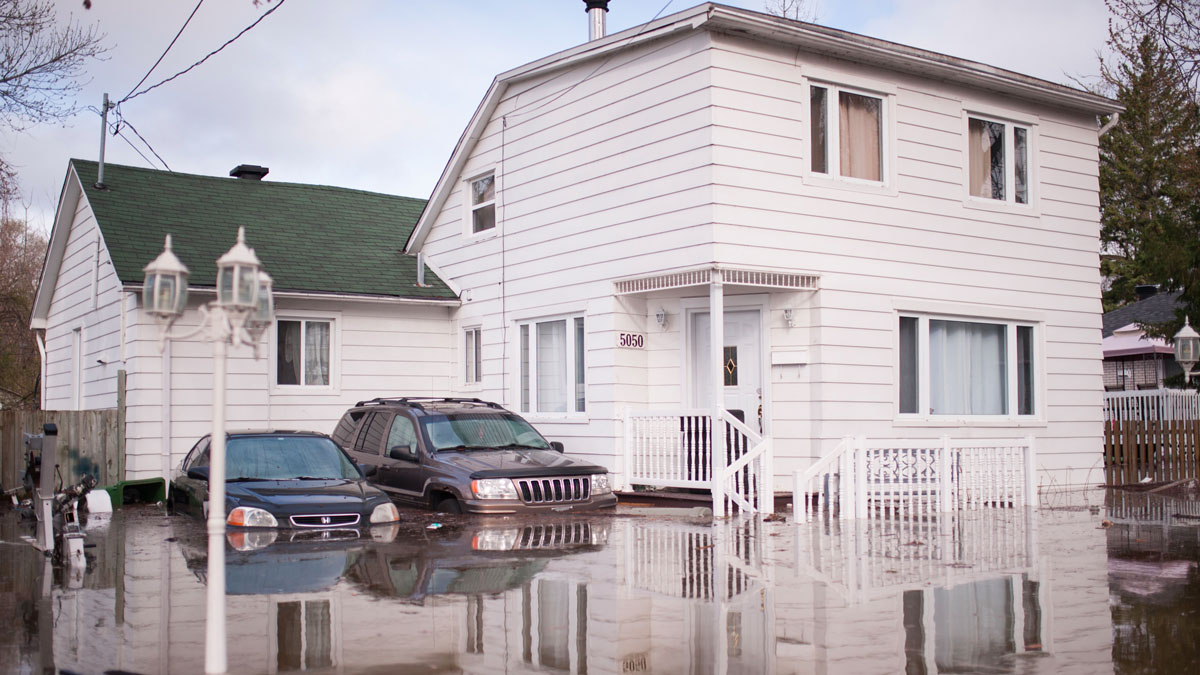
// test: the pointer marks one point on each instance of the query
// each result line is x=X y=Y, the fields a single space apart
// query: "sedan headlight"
x=600 y=484
x=248 y=516
x=494 y=488
x=385 y=513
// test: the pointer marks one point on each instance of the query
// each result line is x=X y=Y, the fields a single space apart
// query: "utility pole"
x=104 y=108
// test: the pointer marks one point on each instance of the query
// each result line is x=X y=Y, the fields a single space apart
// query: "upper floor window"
x=483 y=202
x=552 y=366
x=998 y=160
x=302 y=352
x=846 y=131
x=968 y=368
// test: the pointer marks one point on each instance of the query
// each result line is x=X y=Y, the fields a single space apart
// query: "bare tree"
x=796 y=10
x=1173 y=24
x=21 y=253
x=41 y=69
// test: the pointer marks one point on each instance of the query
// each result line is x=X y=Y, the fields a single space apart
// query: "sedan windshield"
x=286 y=458
x=481 y=431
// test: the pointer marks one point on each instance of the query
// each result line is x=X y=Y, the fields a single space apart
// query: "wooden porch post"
x=716 y=358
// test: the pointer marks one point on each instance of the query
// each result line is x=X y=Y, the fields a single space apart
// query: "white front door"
x=742 y=363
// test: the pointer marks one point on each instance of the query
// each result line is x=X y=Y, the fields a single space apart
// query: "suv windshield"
x=286 y=458
x=481 y=431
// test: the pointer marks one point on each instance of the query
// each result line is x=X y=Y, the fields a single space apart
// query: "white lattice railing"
x=674 y=448
x=913 y=478
x=866 y=559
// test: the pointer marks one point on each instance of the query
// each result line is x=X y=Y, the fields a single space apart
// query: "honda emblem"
x=324 y=520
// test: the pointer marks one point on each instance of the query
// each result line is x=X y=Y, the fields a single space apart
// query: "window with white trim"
x=482 y=202
x=998 y=160
x=303 y=348
x=846 y=133
x=472 y=355
x=553 y=369
x=965 y=367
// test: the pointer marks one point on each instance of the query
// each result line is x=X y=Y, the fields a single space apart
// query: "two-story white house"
x=895 y=243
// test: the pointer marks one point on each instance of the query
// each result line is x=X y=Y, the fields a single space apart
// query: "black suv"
x=467 y=455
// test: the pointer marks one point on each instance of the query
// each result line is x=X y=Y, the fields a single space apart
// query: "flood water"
x=1088 y=584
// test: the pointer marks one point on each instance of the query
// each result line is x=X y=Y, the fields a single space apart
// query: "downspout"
x=40 y=339
x=166 y=414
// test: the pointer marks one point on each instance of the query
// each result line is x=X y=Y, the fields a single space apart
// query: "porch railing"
x=674 y=448
x=915 y=478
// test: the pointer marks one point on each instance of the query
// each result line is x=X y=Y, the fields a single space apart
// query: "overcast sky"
x=373 y=94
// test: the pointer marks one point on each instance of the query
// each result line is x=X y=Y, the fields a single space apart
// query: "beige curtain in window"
x=980 y=150
x=861 y=135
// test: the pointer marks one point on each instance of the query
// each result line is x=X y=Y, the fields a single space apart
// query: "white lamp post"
x=1187 y=349
x=241 y=313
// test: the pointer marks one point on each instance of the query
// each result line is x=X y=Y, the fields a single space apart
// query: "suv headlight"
x=495 y=540
x=248 y=516
x=600 y=484
x=494 y=488
x=385 y=513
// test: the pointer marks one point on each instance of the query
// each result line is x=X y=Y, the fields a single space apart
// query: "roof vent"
x=249 y=171
x=1145 y=291
x=596 y=9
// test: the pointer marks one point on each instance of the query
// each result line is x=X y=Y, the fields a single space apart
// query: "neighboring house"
x=1132 y=360
x=351 y=323
x=899 y=245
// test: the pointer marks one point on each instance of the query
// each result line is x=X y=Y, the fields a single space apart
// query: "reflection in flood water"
x=1008 y=591
x=1154 y=583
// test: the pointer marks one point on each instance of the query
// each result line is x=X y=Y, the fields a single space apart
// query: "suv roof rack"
x=415 y=401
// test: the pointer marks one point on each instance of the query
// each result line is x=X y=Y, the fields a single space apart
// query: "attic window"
x=483 y=203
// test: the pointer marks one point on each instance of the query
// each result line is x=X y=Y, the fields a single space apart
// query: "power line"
x=164 y=54
x=121 y=120
x=210 y=54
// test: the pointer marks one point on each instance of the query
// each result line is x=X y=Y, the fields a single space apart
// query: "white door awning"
x=731 y=276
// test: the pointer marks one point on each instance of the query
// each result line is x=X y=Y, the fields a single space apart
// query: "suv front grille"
x=326 y=520
x=554 y=490
x=534 y=537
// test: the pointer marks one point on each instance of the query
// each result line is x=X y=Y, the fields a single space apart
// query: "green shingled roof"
x=310 y=238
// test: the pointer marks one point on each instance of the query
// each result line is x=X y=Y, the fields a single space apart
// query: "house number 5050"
x=631 y=340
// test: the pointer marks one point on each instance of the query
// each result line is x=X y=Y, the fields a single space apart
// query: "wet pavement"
x=1088 y=584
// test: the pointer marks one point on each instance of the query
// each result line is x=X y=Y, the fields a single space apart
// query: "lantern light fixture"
x=1187 y=348
x=164 y=292
x=237 y=276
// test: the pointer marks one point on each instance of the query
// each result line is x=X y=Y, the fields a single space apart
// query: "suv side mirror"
x=405 y=452
x=556 y=446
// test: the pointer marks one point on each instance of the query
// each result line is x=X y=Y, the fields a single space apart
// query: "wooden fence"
x=1152 y=435
x=89 y=442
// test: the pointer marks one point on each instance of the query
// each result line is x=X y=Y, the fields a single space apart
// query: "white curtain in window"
x=552 y=366
x=967 y=368
x=316 y=353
